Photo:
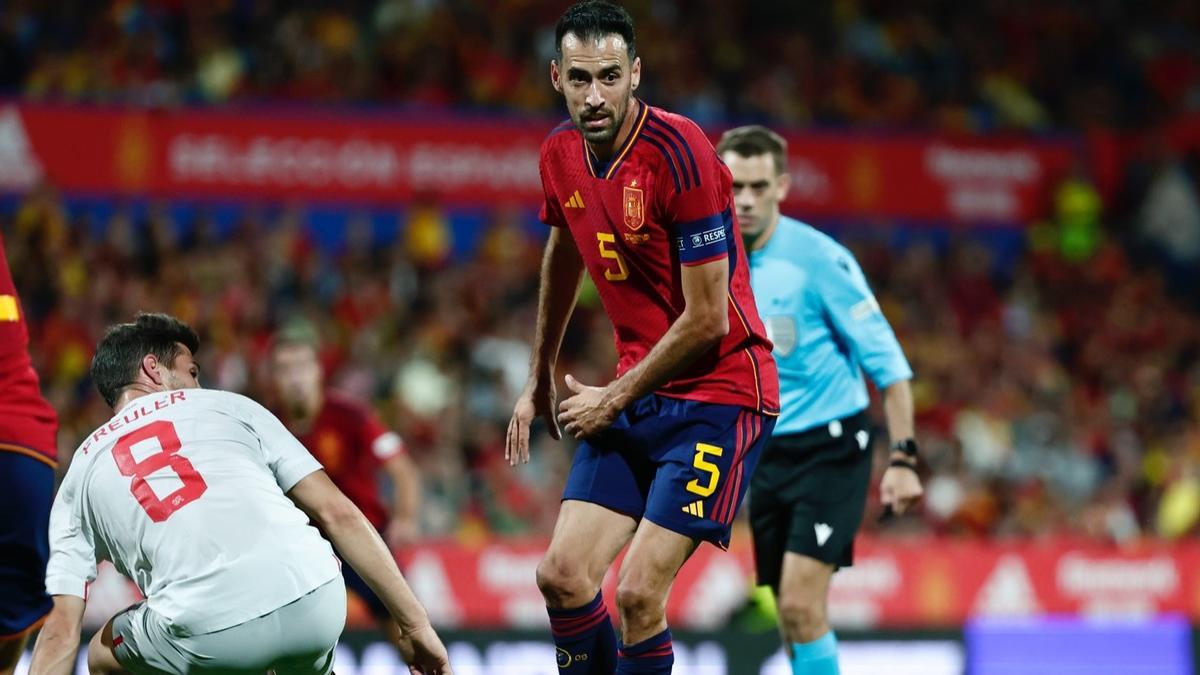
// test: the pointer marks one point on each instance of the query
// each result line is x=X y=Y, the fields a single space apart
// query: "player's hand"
x=535 y=401
x=401 y=533
x=587 y=411
x=424 y=652
x=900 y=489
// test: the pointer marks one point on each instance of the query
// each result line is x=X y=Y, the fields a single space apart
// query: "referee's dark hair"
x=594 y=19
x=120 y=352
x=754 y=140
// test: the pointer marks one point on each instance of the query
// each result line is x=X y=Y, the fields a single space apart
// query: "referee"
x=809 y=491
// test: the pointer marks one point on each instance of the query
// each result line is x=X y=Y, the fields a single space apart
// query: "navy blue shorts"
x=684 y=465
x=26 y=493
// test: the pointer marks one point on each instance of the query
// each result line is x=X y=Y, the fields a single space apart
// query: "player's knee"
x=562 y=584
x=803 y=618
x=639 y=602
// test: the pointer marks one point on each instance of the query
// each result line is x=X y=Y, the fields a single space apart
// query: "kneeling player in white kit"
x=193 y=494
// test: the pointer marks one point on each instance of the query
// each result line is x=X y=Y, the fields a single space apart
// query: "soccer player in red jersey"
x=638 y=197
x=28 y=455
x=353 y=445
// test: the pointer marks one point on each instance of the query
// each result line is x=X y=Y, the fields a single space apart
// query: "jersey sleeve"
x=383 y=443
x=551 y=211
x=287 y=458
x=858 y=319
x=699 y=189
x=72 y=564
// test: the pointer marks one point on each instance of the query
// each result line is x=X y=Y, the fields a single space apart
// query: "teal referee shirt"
x=826 y=325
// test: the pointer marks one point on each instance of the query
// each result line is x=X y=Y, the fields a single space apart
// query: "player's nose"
x=594 y=99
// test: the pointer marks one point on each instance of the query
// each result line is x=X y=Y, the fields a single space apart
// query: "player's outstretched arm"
x=562 y=273
x=704 y=321
x=58 y=641
x=360 y=545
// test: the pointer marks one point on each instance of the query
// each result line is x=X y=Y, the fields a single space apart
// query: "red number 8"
x=164 y=432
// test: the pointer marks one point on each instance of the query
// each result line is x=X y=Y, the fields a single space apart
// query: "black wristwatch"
x=908 y=446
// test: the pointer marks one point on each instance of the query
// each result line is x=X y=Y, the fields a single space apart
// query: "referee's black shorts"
x=808 y=495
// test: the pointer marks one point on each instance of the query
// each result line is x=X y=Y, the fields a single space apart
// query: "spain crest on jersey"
x=635 y=215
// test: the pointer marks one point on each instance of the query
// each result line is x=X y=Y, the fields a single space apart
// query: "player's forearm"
x=562 y=273
x=691 y=335
x=898 y=410
x=360 y=546
x=58 y=642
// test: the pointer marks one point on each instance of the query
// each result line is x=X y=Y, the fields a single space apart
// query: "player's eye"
x=611 y=77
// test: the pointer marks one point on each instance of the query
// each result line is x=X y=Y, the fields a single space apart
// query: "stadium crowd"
x=1057 y=373
x=935 y=64
x=1057 y=388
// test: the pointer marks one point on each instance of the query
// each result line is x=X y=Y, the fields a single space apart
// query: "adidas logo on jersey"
x=575 y=202
x=696 y=508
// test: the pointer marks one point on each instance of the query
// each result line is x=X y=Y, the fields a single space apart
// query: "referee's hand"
x=900 y=489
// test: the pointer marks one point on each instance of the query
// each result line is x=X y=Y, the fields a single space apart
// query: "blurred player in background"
x=28 y=454
x=203 y=499
x=810 y=489
x=637 y=196
x=352 y=445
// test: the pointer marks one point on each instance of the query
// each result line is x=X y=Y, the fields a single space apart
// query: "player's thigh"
x=610 y=470
x=587 y=538
x=101 y=658
x=654 y=558
x=707 y=455
x=298 y=638
x=125 y=626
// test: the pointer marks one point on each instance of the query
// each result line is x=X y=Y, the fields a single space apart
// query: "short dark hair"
x=754 y=140
x=296 y=333
x=594 y=19
x=120 y=352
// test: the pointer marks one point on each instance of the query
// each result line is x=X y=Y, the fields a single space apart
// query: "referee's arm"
x=858 y=319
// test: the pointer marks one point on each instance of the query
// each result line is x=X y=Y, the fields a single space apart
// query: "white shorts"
x=296 y=639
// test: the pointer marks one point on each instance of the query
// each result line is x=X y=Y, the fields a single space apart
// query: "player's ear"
x=555 y=76
x=783 y=182
x=635 y=72
x=150 y=369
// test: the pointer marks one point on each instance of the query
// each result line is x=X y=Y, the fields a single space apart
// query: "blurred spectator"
x=948 y=65
x=1055 y=393
x=1058 y=390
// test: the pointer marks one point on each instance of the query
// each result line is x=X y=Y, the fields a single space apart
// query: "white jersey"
x=184 y=492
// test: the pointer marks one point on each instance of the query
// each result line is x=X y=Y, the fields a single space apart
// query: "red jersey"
x=664 y=200
x=28 y=425
x=351 y=443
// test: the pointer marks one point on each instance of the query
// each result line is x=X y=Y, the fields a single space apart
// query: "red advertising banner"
x=387 y=159
x=893 y=583
x=896 y=583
